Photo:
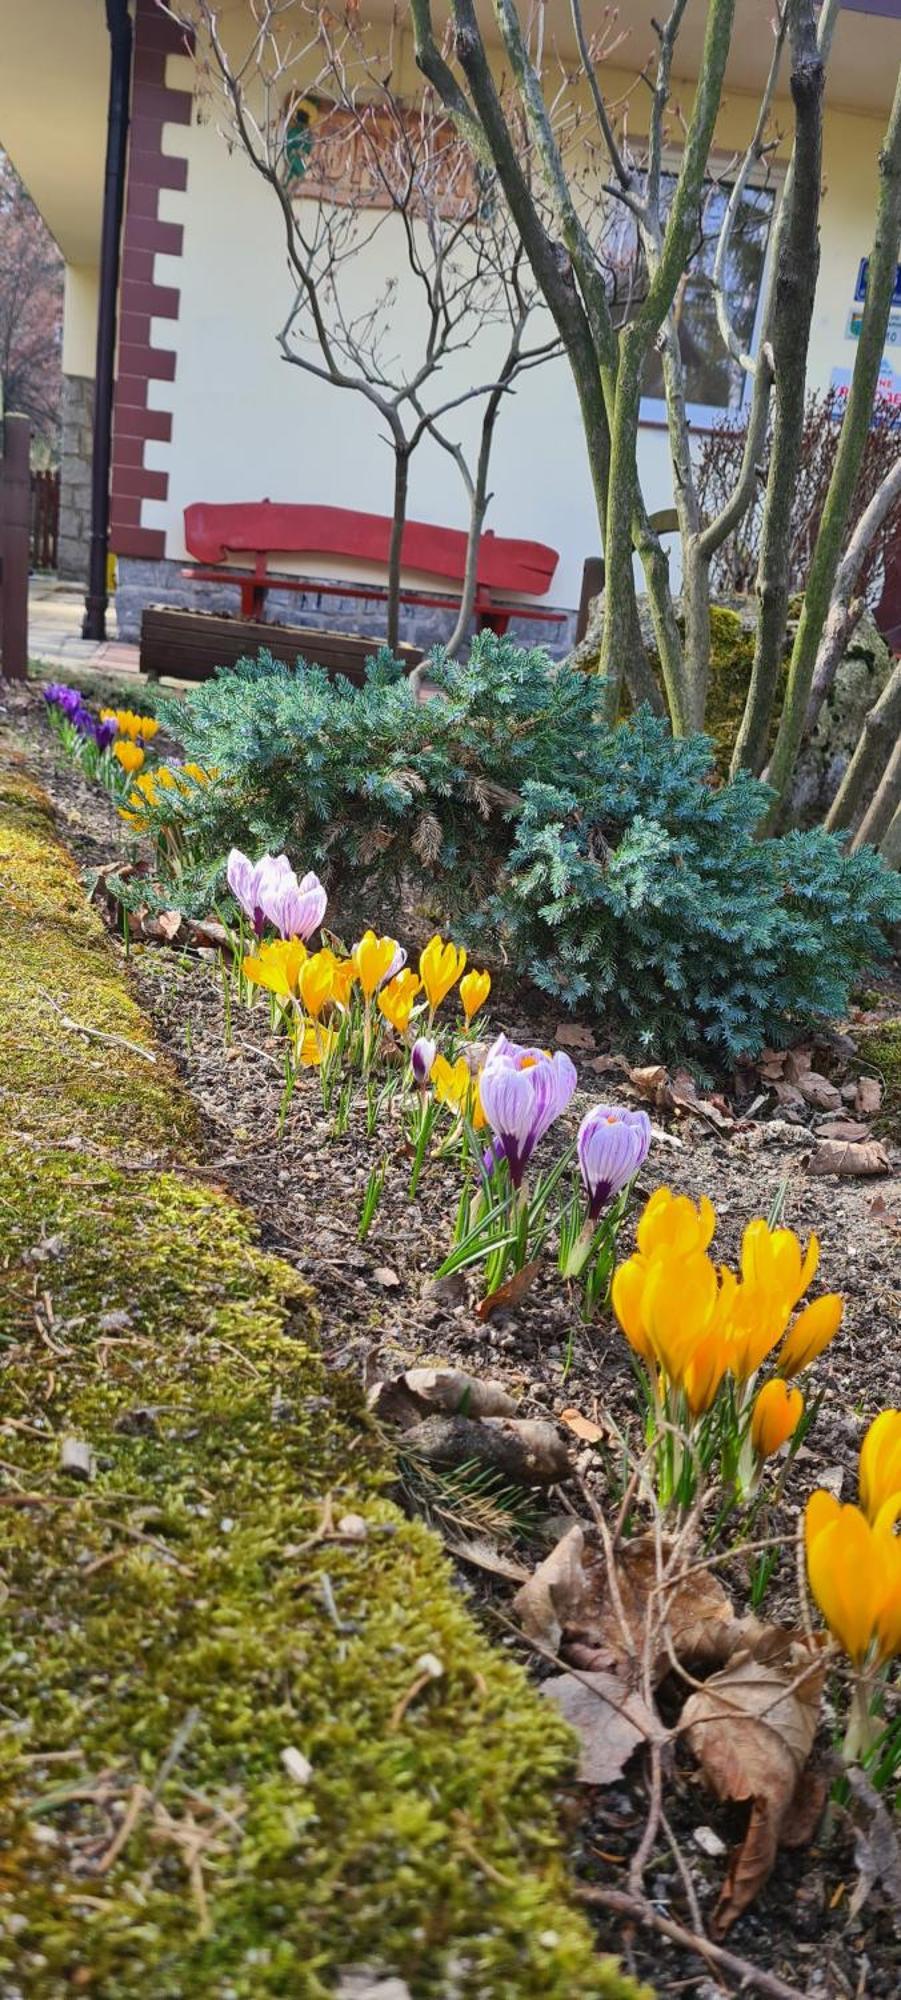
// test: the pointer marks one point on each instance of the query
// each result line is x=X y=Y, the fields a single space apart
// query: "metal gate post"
x=15 y=537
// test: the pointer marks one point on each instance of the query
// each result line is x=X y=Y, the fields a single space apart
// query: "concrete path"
x=55 y=613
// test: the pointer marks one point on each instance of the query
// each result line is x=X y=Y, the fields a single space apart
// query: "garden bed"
x=382 y=1313
x=224 y=1770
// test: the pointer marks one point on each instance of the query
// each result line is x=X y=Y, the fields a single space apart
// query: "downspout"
x=118 y=21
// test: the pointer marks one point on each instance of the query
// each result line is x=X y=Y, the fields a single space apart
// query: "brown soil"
x=381 y=1314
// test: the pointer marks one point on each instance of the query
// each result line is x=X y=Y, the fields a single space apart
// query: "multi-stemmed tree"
x=354 y=167
x=609 y=364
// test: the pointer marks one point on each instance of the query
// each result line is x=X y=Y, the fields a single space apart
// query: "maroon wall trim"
x=140 y=299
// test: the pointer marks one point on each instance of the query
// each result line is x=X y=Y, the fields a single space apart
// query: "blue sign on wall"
x=860 y=289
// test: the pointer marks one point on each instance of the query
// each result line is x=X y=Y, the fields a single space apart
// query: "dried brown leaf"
x=839 y=1156
x=452 y=1390
x=510 y=1293
x=582 y=1427
x=752 y=1729
x=568 y=1606
x=850 y=1130
x=868 y=1096
x=610 y=1722
x=575 y=1035
x=818 y=1092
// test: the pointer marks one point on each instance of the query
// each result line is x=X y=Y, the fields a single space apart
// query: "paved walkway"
x=55 y=613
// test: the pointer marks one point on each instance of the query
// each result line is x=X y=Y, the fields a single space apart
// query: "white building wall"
x=247 y=425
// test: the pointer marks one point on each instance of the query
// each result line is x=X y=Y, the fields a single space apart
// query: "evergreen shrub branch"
x=614 y=867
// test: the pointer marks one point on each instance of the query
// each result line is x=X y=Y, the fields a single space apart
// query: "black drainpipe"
x=118 y=21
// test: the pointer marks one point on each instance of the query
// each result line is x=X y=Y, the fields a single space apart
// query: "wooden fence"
x=15 y=540
x=44 y=519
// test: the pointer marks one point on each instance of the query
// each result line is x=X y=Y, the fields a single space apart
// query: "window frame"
x=707 y=416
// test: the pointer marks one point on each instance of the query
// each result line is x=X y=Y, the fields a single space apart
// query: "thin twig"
x=642 y=1913
x=96 y=1034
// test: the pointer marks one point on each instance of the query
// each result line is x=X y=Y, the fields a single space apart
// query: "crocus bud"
x=775 y=1417
x=612 y=1144
x=422 y=1056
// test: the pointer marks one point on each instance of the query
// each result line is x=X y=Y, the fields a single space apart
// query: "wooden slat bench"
x=265 y=528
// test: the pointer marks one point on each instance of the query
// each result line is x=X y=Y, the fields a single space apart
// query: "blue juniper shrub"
x=614 y=866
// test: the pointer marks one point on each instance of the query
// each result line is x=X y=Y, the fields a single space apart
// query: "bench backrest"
x=270 y=527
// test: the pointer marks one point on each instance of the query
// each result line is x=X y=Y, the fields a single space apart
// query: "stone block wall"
x=143 y=582
x=76 y=448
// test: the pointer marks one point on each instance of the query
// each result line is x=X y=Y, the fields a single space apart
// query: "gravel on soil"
x=382 y=1312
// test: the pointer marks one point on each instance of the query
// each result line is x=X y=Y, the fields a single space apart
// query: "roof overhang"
x=54 y=81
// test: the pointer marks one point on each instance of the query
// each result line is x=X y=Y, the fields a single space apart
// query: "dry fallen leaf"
x=868 y=1096
x=510 y=1293
x=169 y=923
x=524 y=1451
x=609 y=1721
x=567 y=1605
x=453 y=1391
x=582 y=1427
x=652 y=1083
x=837 y=1156
x=848 y=1129
x=575 y=1035
x=752 y=1728
x=876 y=1849
x=483 y=1555
x=818 y=1092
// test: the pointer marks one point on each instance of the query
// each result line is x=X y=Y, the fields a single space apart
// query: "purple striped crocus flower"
x=523 y=1091
x=422 y=1056
x=296 y=908
x=257 y=884
x=611 y=1143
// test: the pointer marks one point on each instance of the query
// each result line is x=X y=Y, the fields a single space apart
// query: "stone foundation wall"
x=143 y=582
x=76 y=450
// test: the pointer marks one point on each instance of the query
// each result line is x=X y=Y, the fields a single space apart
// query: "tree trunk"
x=795 y=285
x=848 y=458
x=395 y=546
x=622 y=496
x=844 y=611
x=883 y=806
x=891 y=844
x=877 y=740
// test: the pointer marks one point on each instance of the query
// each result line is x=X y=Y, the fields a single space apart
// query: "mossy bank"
x=172 y=1623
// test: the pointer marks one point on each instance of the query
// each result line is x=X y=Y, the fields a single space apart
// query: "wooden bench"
x=267 y=528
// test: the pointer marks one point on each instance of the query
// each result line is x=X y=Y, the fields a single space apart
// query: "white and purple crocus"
x=523 y=1091
x=611 y=1143
x=268 y=891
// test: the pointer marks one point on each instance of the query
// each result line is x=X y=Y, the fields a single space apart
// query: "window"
x=714 y=383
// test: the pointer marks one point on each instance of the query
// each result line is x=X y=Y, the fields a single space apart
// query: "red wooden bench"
x=266 y=528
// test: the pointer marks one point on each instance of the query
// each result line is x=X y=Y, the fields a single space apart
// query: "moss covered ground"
x=173 y=1624
x=881 y=1049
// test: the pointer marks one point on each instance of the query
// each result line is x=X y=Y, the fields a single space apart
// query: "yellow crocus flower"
x=130 y=756
x=315 y=982
x=773 y=1259
x=373 y=958
x=277 y=966
x=396 y=999
x=854 y=1567
x=813 y=1330
x=673 y=1222
x=474 y=990
x=345 y=974
x=314 y=1046
x=455 y=1085
x=440 y=966
x=879 y=1478
x=775 y=1417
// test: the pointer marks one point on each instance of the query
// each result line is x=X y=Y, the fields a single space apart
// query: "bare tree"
x=311 y=102
x=31 y=302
